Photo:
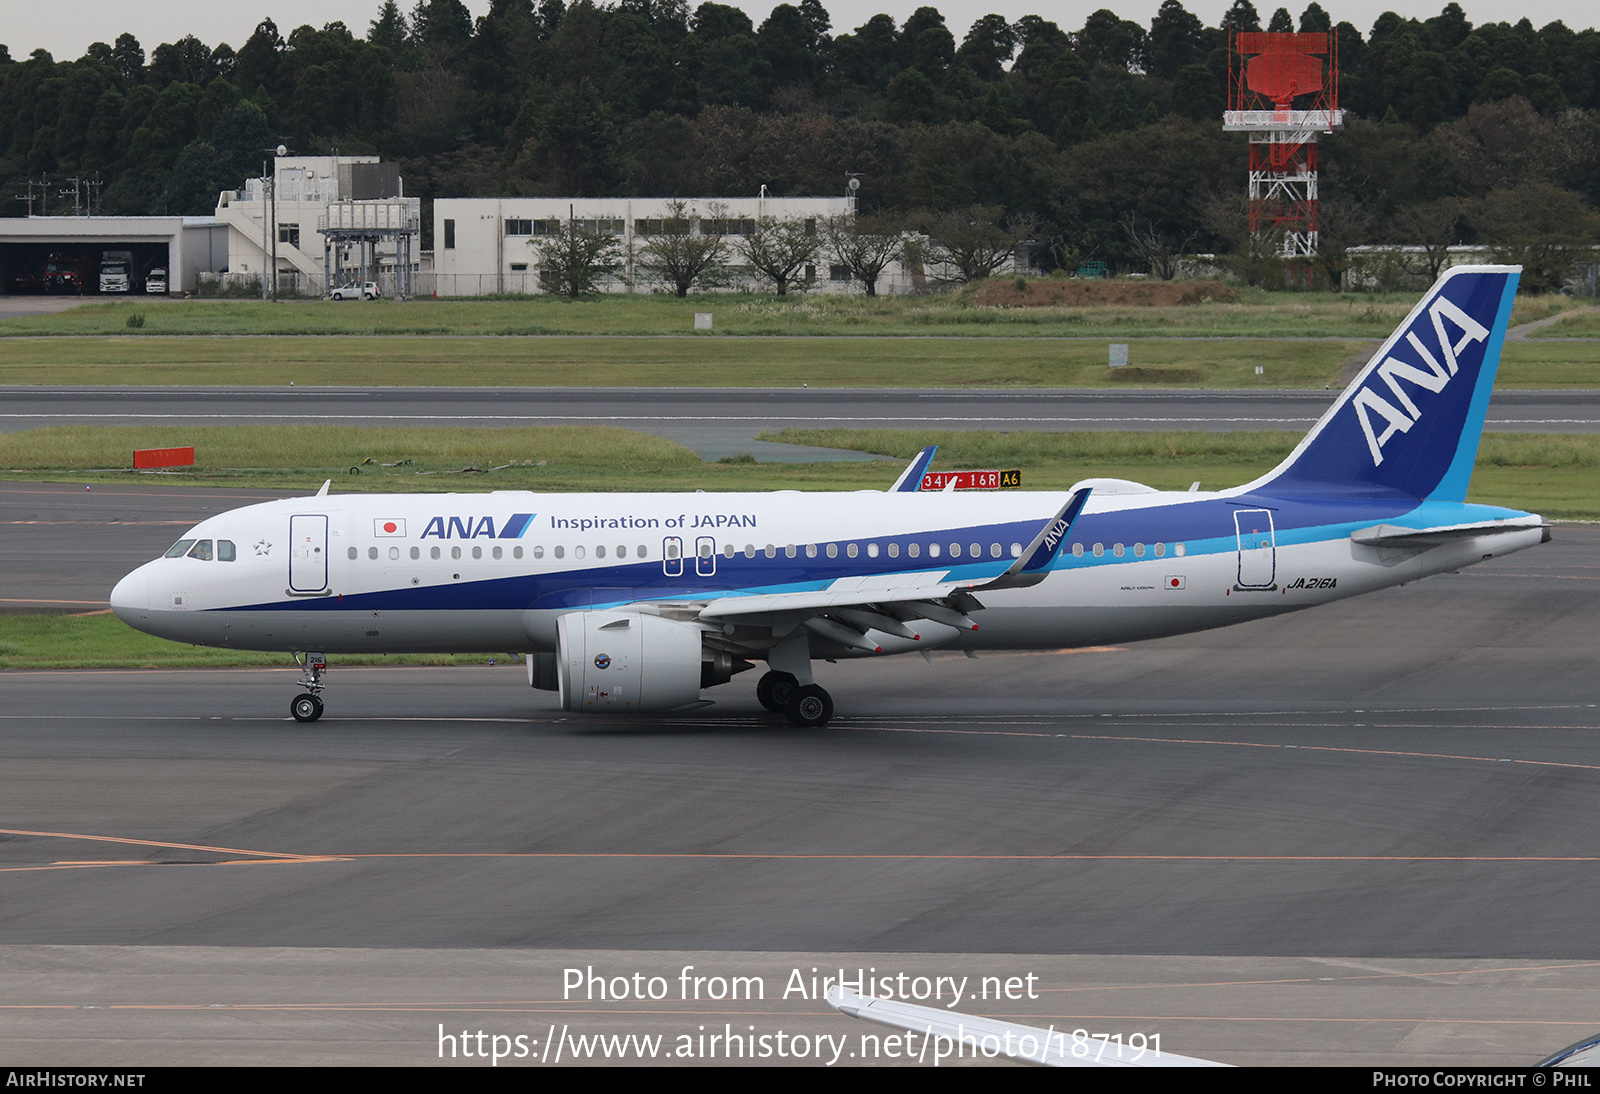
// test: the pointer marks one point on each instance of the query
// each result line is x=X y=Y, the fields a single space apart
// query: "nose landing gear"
x=308 y=707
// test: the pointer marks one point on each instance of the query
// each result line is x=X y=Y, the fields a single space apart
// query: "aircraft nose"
x=130 y=600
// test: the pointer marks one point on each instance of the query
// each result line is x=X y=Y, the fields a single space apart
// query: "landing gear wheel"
x=306 y=708
x=810 y=706
x=774 y=690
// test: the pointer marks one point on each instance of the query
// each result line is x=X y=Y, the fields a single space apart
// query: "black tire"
x=774 y=690
x=306 y=708
x=810 y=706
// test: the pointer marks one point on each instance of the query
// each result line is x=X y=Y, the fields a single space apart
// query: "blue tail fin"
x=1410 y=423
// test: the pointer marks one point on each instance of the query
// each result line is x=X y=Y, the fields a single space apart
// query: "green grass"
x=1557 y=475
x=100 y=640
x=1584 y=324
x=655 y=362
x=1258 y=314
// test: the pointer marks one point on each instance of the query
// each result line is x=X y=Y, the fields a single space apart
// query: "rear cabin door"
x=1258 y=555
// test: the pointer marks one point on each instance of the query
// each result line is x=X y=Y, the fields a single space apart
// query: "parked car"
x=155 y=283
x=358 y=291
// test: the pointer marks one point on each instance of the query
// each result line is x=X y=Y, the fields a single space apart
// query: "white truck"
x=116 y=271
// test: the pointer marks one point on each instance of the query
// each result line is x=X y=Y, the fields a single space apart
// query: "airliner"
x=633 y=604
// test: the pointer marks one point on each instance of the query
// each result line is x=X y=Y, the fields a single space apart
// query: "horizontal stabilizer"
x=1393 y=535
x=967 y=1037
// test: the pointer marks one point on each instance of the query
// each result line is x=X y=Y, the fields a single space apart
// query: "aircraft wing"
x=1392 y=535
x=887 y=602
x=955 y=1035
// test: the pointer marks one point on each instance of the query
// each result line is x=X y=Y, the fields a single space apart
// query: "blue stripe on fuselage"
x=1204 y=526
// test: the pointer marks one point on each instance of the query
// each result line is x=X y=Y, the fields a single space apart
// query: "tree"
x=577 y=258
x=863 y=247
x=1545 y=230
x=965 y=245
x=780 y=249
x=679 y=252
x=1157 y=247
x=1435 y=226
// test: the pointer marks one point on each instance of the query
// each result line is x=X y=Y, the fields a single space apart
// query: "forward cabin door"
x=308 y=553
x=1258 y=553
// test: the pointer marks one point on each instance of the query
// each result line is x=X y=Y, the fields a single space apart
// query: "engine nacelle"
x=626 y=663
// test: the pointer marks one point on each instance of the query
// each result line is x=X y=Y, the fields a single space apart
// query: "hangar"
x=63 y=254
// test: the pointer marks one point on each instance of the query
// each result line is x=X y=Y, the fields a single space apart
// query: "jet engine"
x=626 y=663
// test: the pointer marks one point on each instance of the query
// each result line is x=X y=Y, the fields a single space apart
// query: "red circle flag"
x=390 y=526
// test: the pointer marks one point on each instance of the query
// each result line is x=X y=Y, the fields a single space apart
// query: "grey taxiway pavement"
x=1360 y=834
x=721 y=421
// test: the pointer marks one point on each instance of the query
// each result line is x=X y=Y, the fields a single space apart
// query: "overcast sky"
x=66 y=27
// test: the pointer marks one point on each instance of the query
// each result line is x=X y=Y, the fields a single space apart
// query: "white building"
x=338 y=220
x=486 y=246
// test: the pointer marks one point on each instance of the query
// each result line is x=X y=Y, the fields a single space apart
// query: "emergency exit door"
x=308 y=553
x=1258 y=553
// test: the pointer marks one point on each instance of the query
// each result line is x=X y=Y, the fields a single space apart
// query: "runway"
x=721 y=421
x=1374 y=822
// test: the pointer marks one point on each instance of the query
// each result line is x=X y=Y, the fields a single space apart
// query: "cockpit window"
x=225 y=551
x=180 y=548
x=201 y=550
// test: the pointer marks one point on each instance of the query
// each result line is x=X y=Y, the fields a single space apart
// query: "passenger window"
x=600 y=551
x=1016 y=550
x=180 y=548
x=577 y=552
x=433 y=553
x=1116 y=549
x=1099 y=550
x=477 y=552
x=913 y=549
x=833 y=550
x=1077 y=550
x=496 y=552
x=894 y=550
x=789 y=551
x=516 y=552
x=811 y=550
x=201 y=550
x=727 y=550
x=1178 y=549
x=1138 y=550
x=994 y=550
x=872 y=550
x=749 y=550
x=353 y=552
x=372 y=552
x=560 y=552
x=771 y=551
x=622 y=550
x=641 y=552
x=225 y=550
x=850 y=550
x=976 y=550
x=394 y=553
x=1161 y=549
x=416 y=553
x=455 y=552
x=933 y=550
x=955 y=550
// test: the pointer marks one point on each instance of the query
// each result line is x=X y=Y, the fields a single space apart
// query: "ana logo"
x=473 y=527
x=1393 y=370
x=602 y=661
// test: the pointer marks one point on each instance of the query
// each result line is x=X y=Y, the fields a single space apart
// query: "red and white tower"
x=1283 y=90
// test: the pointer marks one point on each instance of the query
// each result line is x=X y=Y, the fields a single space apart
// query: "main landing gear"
x=308 y=707
x=804 y=705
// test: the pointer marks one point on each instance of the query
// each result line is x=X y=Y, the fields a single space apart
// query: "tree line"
x=1105 y=139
